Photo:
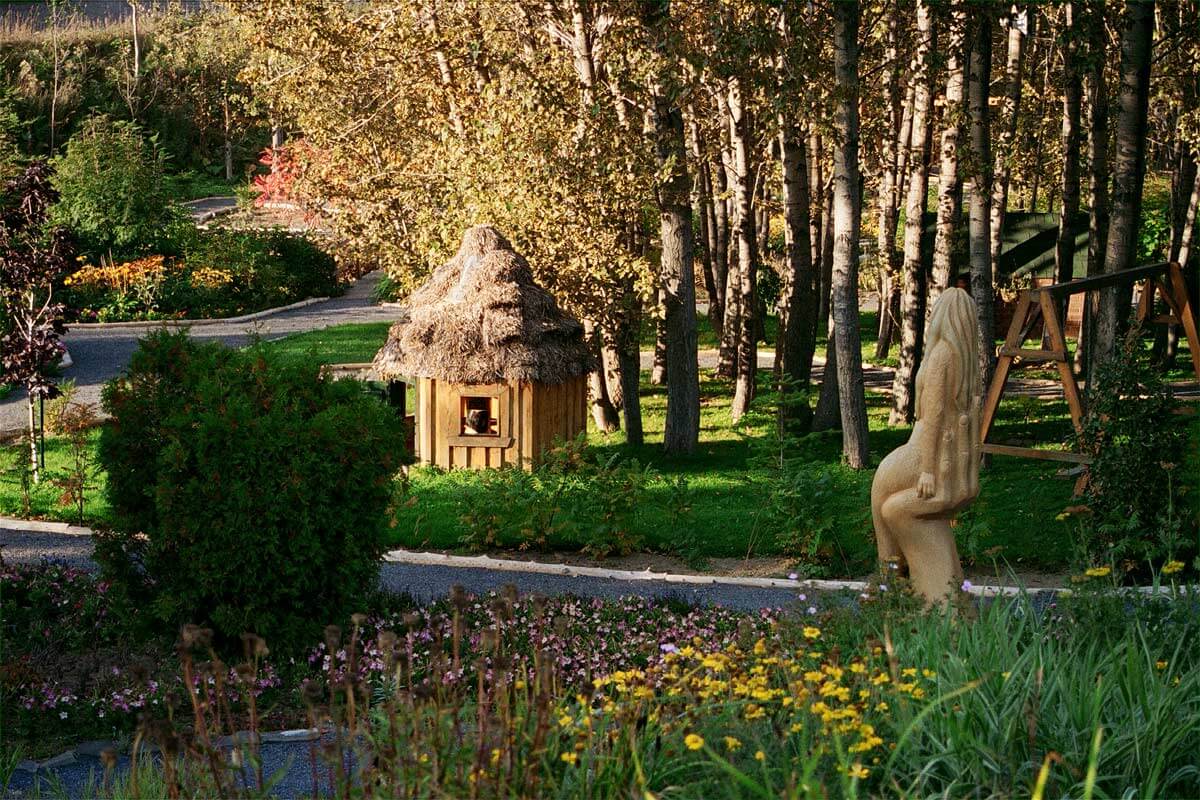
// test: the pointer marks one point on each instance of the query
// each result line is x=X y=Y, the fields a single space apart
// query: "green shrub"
x=1136 y=504
x=261 y=488
x=265 y=269
x=220 y=274
x=574 y=496
x=113 y=195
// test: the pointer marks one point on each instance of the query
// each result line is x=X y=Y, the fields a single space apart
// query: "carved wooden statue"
x=922 y=485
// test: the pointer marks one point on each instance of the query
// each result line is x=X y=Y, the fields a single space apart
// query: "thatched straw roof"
x=480 y=318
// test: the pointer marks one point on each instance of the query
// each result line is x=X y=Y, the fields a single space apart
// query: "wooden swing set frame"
x=1044 y=303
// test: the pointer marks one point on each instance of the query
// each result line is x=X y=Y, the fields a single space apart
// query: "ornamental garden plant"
x=1093 y=694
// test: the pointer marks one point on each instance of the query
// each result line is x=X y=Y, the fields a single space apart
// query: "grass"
x=45 y=497
x=338 y=344
x=729 y=485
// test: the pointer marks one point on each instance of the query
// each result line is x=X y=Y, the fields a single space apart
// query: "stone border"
x=43 y=526
x=159 y=323
x=569 y=570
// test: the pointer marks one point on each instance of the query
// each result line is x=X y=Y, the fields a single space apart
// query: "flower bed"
x=219 y=274
x=505 y=696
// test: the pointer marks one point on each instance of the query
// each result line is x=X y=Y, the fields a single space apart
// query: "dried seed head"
x=254 y=645
x=423 y=690
x=358 y=620
x=311 y=693
x=502 y=664
x=501 y=609
x=509 y=592
x=488 y=639
x=458 y=597
x=562 y=624
x=412 y=620
x=538 y=602
x=245 y=672
x=188 y=636
x=387 y=642
x=333 y=638
x=108 y=757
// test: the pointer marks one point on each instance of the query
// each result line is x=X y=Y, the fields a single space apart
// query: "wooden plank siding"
x=533 y=417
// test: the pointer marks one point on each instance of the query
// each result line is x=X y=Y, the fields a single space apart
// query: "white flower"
x=812 y=609
x=791 y=576
x=966 y=586
x=803 y=596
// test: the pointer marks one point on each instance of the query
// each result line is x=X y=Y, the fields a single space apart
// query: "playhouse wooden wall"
x=532 y=416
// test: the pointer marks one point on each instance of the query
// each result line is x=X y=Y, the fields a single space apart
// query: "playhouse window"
x=479 y=416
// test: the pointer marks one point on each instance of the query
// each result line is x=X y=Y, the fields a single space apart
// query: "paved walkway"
x=100 y=353
x=430 y=582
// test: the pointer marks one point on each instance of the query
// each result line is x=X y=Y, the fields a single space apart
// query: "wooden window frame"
x=495 y=391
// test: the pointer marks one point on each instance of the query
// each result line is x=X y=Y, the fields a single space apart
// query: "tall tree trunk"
x=677 y=282
x=949 y=209
x=1039 y=138
x=743 y=196
x=1097 y=143
x=604 y=413
x=702 y=210
x=816 y=184
x=658 y=365
x=623 y=342
x=980 y=194
x=912 y=309
x=889 y=198
x=828 y=413
x=610 y=362
x=727 y=358
x=1009 y=116
x=1187 y=240
x=1064 y=248
x=847 y=219
x=1129 y=170
x=720 y=244
x=826 y=272
x=794 y=349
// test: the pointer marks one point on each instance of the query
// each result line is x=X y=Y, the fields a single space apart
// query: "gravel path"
x=100 y=353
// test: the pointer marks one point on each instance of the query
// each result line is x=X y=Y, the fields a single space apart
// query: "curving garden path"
x=100 y=352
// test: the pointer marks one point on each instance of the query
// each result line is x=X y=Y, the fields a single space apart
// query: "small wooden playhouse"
x=500 y=371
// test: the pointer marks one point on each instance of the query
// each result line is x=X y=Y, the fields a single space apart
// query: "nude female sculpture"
x=920 y=486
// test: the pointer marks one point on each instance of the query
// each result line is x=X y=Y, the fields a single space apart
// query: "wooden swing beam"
x=1044 y=302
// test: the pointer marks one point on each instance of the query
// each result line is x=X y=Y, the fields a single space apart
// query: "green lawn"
x=730 y=485
x=339 y=344
x=730 y=490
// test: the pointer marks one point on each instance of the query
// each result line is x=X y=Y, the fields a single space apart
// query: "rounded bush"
x=249 y=493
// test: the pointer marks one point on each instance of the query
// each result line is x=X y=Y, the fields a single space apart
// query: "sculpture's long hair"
x=953 y=322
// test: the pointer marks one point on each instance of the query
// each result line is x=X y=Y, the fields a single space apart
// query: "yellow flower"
x=1171 y=567
x=1098 y=572
x=759 y=755
x=520 y=684
x=811 y=633
x=732 y=743
x=1160 y=665
x=858 y=771
x=693 y=741
x=570 y=758
x=564 y=721
x=495 y=756
x=909 y=672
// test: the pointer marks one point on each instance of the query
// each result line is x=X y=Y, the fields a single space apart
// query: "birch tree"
x=847 y=218
x=912 y=309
